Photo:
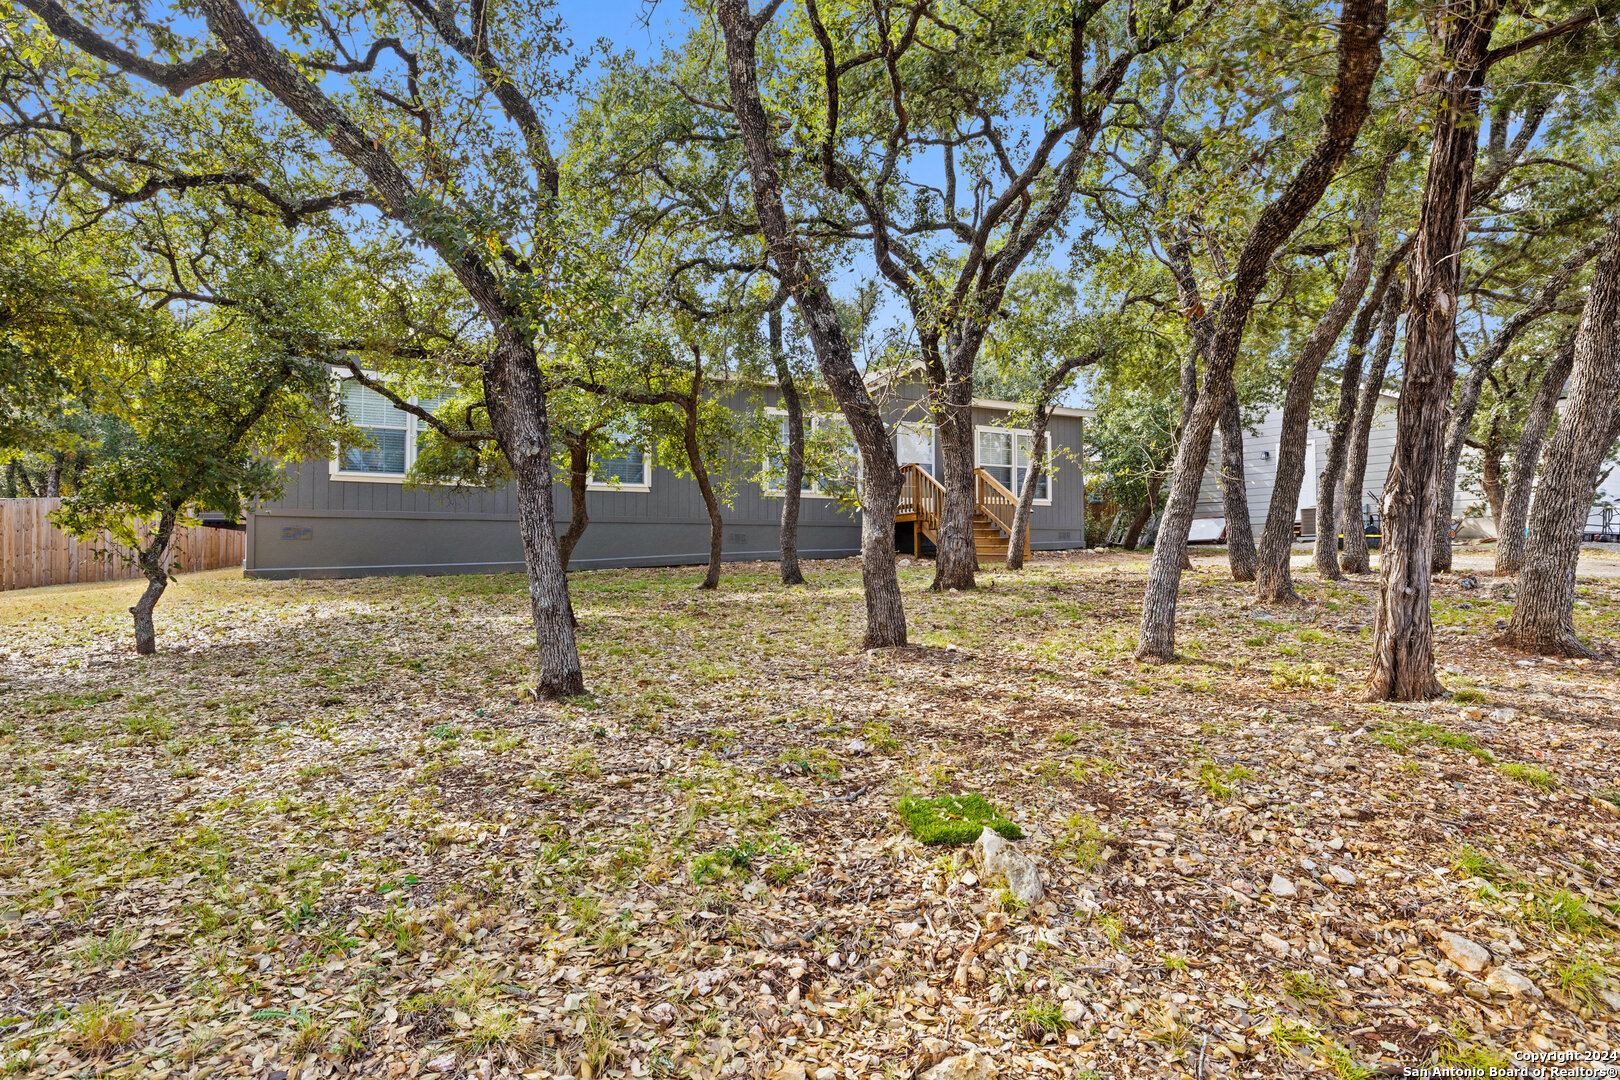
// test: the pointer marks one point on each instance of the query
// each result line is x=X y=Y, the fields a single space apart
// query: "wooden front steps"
x=922 y=499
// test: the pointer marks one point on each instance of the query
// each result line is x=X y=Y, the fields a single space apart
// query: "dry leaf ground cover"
x=324 y=832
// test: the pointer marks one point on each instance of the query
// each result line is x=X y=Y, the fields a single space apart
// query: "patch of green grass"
x=1303 y=677
x=1426 y=732
x=98 y=1027
x=1307 y=987
x=1534 y=775
x=1466 y=697
x=954 y=819
x=1563 y=910
x=1083 y=840
x=1040 y=1016
x=118 y=943
x=1580 y=977
x=1222 y=783
x=1470 y=861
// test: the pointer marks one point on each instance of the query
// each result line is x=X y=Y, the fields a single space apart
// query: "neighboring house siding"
x=330 y=527
x=1260 y=472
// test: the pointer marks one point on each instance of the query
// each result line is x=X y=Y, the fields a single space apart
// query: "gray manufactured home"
x=355 y=517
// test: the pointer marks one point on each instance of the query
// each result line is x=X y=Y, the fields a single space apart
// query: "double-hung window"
x=392 y=434
x=1004 y=454
x=832 y=465
x=914 y=445
x=627 y=468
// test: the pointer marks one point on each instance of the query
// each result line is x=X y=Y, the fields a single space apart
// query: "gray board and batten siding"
x=324 y=526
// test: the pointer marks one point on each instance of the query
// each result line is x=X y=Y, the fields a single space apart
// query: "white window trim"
x=978 y=446
x=593 y=484
x=933 y=440
x=335 y=469
x=814 y=490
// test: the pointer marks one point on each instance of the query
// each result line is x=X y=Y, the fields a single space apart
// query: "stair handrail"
x=990 y=495
x=924 y=494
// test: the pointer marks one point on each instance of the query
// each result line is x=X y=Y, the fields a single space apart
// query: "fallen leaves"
x=327 y=835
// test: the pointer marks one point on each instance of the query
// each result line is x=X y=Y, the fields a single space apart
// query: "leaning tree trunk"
x=793 y=481
x=694 y=458
x=512 y=383
x=1361 y=29
x=1326 y=551
x=153 y=561
x=1144 y=514
x=1354 y=560
x=1543 y=619
x=1526 y=456
x=1045 y=401
x=1240 y=551
x=1490 y=472
x=1274 y=581
x=1402 y=666
x=29 y=490
x=880 y=494
x=1016 y=543
x=579 y=478
x=1462 y=412
x=955 y=559
x=514 y=388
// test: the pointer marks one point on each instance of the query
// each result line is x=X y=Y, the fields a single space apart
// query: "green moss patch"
x=954 y=819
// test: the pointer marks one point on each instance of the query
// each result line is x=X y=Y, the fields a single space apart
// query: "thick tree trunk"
x=512 y=387
x=1543 y=619
x=1351 y=522
x=579 y=478
x=145 y=629
x=1328 y=484
x=700 y=473
x=1240 y=551
x=1361 y=28
x=11 y=479
x=1016 y=544
x=880 y=495
x=955 y=559
x=1274 y=579
x=1402 y=666
x=1510 y=528
x=53 y=477
x=793 y=468
x=153 y=563
x=1462 y=412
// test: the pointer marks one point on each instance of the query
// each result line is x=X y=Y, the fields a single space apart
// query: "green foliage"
x=954 y=819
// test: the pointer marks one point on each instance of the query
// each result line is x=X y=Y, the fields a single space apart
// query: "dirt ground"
x=326 y=832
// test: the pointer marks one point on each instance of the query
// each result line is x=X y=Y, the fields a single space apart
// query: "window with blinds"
x=391 y=432
x=626 y=468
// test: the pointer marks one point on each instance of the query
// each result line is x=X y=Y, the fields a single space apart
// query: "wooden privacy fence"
x=35 y=552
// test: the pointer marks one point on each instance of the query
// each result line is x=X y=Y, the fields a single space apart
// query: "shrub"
x=954 y=819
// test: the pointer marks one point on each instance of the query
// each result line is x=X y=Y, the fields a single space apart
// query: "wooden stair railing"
x=922 y=502
x=993 y=501
x=923 y=498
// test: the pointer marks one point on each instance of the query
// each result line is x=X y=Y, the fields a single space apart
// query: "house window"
x=832 y=464
x=914 y=445
x=391 y=432
x=626 y=469
x=1004 y=454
